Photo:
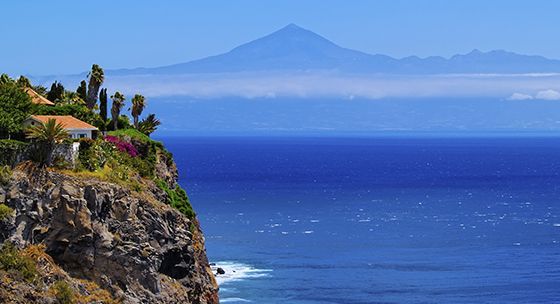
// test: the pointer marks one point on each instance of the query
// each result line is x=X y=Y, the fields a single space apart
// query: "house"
x=75 y=127
x=36 y=98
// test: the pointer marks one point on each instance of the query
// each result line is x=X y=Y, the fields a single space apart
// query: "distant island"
x=296 y=81
x=294 y=48
x=90 y=207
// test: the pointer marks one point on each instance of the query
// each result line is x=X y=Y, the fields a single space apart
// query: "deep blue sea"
x=378 y=220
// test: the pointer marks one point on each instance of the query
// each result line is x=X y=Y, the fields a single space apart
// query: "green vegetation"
x=126 y=155
x=149 y=125
x=5 y=175
x=14 y=262
x=91 y=156
x=77 y=110
x=96 y=78
x=82 y=90
x=138 y=105
x=56 y=93
x=122 y=154
x=63 y=293
x=118 y=103
x=132 y=133
x=5 y=212
x=46 y=137
x=15 y=105
x=10 y=151
x=23 y=82
x=177 y=198
x=151 y=147
x=103 y=108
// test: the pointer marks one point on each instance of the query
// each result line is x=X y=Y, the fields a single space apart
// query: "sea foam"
x=237 y=271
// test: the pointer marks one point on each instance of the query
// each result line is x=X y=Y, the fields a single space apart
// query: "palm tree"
x=96 y=78
x=47 y=135
x=149 y=125
x=23 y=82
x=4 y=79
x=118 y=103
x=72 y=98
x=138 y=105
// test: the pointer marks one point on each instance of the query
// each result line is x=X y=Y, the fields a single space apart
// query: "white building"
x=75 y=127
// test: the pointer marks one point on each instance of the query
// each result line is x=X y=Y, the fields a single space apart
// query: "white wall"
x=80 y=133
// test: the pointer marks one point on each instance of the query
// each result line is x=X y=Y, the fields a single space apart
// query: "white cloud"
x=548 y=95
x=520 y=96
x=330 y=84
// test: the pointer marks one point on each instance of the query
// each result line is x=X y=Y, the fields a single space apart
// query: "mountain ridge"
x=293 y=48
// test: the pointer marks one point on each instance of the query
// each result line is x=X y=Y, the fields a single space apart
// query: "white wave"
x=235 y=300
x=237 y=272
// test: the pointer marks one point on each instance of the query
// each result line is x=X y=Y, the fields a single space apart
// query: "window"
x=82 y=135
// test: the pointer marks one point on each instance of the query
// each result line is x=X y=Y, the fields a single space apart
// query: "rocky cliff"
x=127 y=243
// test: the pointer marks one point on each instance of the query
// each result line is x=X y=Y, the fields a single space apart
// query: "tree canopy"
x=15 y=105
x=118 y=103
x=96 y=78
x=56 y=93
x=138 y=105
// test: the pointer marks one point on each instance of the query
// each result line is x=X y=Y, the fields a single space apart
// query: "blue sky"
x=53 y=37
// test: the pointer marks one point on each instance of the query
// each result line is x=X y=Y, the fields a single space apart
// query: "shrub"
x=12 y=261
x=5 y=175
x=122 y=145
x=14 y=108
x=132 y=133
x=11 y=151
x=92 y=156
x=59 y=162
x=5 y=212
x=177 y=198
x=63 y=293
x=118 y=172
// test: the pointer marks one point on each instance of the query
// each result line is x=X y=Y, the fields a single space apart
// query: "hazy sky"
x=52 y=37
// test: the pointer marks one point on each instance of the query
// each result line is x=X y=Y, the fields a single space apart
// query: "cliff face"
x=130 y=243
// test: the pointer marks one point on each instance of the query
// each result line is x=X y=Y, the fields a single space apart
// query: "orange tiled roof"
x=67 y=121
x=36 y=98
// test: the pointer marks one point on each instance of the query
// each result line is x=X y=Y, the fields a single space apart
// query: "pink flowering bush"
x=122 y=145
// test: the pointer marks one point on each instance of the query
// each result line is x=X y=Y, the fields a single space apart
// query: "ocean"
x=397 y=219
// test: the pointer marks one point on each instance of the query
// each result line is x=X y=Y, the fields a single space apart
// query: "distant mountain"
x=293 y=48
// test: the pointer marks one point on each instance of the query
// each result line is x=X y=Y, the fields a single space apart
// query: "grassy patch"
x=14 y=262
x=5 y=175
x=5 y=212
x=132 y=133
x=63 y=293
x=177 y=198
x=95 y=294
x=10 y=150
